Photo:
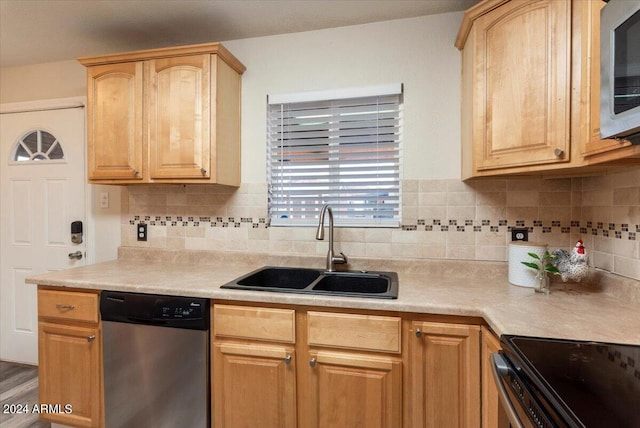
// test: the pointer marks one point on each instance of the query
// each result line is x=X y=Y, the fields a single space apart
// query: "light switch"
x=104 y=200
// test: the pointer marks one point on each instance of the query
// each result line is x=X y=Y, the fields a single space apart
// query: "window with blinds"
x=337 y=148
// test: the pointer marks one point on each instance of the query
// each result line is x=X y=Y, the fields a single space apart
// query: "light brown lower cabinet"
x=490 y=401
x=70 y=358
x=445 y=375
x=291 y=367
x=254 y=385
x=354 y=390
x=297 y=367
x=253 y=367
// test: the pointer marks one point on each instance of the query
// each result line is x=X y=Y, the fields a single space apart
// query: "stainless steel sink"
x=382 y=285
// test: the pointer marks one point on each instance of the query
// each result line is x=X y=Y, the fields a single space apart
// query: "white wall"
x=105 y=227
x=64 y=79
x=417 y=52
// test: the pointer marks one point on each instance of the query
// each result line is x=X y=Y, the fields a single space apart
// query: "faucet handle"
x=341 y=260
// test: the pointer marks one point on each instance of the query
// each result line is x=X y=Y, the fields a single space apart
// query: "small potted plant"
x=542 y=265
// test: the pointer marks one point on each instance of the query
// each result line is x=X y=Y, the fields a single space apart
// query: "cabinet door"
x=354 y=390
x=253 y=386
x=114 y=122
x=178 y=114
x=445 y=375
x=69 y=373
x=522 y=85
x=490 y=401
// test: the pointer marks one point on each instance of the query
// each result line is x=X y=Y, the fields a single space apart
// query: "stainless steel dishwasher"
x=156 y=360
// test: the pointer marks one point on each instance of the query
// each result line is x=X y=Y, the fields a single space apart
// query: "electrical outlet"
x=142 y=232
x=519 y=234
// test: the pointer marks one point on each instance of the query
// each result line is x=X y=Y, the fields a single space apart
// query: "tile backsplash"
x=446 y=218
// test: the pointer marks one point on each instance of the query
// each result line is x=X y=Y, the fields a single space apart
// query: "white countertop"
x=606 y=309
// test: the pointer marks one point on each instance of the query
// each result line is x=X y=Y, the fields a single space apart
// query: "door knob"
x=77 y=255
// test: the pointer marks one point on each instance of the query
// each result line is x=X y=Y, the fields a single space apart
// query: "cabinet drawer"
x=244 y=322
x=68 y=305
x=366 y=332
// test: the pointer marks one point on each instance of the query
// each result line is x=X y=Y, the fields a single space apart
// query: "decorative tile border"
x=607 y=230
x=186 y=221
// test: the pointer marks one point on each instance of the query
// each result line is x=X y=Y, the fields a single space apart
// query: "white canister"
x=520 y=274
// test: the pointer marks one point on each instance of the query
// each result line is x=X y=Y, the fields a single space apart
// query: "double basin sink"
x=382 y=285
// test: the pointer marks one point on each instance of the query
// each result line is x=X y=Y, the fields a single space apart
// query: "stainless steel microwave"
x=620 y=70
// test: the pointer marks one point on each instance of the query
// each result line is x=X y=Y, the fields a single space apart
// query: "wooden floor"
x=19 y=390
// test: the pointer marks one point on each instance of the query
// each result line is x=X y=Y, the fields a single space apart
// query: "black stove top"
x=588 y=384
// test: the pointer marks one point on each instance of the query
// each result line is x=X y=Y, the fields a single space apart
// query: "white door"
x=42 y=191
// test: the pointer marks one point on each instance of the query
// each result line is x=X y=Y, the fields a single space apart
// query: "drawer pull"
x=418 y=333
x=65 y=307
x=91 y=338
x=287 y=360
x=312 y=363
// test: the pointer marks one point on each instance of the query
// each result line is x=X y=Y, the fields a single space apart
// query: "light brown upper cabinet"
x=530 y=89
x=164 y=116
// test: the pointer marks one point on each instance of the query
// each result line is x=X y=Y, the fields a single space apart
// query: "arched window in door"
x=37 y=146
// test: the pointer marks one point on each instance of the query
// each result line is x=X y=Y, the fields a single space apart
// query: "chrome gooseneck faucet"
x=332 y=259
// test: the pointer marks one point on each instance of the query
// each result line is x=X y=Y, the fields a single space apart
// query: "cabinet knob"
x=287 y=360
x=65 y=307
x=418 y=333
x=136 y=172
x=203 y=171
x=312 y=363
x=558 y=152
x=91 y=338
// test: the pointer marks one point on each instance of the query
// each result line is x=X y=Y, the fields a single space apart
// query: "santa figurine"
x=574 y=266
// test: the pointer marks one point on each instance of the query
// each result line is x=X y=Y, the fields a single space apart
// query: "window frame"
x=40 y=156
x=385 y=160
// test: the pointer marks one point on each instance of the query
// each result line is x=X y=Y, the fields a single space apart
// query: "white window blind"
x=342 y=151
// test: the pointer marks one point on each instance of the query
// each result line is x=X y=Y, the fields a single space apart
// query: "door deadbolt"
x=76 y=232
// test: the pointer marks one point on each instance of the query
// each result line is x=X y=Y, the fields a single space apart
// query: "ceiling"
x=37 y=31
